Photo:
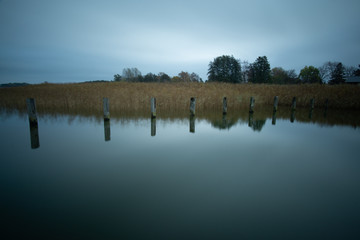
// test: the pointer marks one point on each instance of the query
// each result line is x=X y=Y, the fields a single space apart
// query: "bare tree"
x=131 y=74
x=326 y=70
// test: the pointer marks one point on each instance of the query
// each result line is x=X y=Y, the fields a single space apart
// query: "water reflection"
x=107 y=129
x=256 y=121
x=192 y=123
x=225 y=123
x=141 y=187
x=153 y=126
x=292 y=117
x=34 y=135
x=273 y=120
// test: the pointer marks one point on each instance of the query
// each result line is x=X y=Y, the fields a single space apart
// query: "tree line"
x=134 y=75
x=228 y=69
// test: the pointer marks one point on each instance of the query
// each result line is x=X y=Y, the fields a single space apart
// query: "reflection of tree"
x=257 y=125
x=224 y=123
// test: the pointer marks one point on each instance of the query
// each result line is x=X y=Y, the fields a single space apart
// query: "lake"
x=238 y=176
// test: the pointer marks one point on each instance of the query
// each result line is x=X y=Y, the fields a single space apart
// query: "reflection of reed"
x=332 y=117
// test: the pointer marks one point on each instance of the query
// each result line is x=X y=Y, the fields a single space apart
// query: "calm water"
x=239 y=177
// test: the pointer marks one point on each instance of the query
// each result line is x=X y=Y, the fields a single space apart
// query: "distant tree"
x=337 y=76
x=195 y=78
x=245 y=69
x=357 y=72
x=175 y=79
x=131 y=74
x=310 y=74
x=349 y=71
x=281 y=76
x=163 y=77
x=224 y=69
x=117 y=77
x=150 y=77
x=184 y=76
x=326 y=70
x=259 y=71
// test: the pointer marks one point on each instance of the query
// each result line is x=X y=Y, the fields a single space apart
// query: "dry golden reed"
x=173 y=96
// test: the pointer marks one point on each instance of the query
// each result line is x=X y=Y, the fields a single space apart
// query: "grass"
x=125 y=97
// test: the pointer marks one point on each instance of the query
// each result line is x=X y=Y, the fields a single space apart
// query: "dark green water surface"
x=211 y=177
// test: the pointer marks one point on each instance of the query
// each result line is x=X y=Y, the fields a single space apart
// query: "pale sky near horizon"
x=76 y=40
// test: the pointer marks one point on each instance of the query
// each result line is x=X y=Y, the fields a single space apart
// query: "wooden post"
x=31 y=109
x=293 y=104
x=153 y=107
x=276 y=101
x=224 y=105
x=192 y=106
x=192 y=123
x=252 y=102
x=107 y=129
x=106 y=109
x=153 y=126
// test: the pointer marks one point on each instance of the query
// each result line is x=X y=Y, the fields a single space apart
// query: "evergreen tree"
x=259 y=71
x=357 y=72
x=225 y=69
x=337 y=76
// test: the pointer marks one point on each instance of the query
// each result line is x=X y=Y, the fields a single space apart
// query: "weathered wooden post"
x=153 y=126
x=106 y=109
x=252 y=102
x=293 y=104
x=224 y=105
x=276 y=101
x=31 y=109
x=107 y=130
x=153 y=107
x=192 y=106
x=192 y=123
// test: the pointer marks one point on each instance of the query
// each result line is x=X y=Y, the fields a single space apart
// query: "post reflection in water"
x=311 y=114
x=136 y=182
x=274 y=118
x=192 y=124
x=107 y=129
x=292 y=117
x=153 y=127
x=251 y=119
x=34 y=135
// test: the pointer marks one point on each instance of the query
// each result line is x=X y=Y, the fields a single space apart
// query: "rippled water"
x=210 y=177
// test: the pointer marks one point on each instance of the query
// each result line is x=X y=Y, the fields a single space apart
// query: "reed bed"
x=125 y=97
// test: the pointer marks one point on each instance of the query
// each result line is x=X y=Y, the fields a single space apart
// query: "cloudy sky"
x=75 y=40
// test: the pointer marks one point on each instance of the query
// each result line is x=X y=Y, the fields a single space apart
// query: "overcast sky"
x=74 y=40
